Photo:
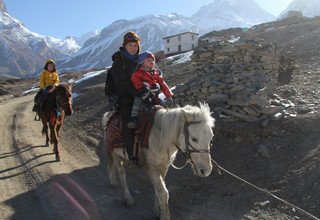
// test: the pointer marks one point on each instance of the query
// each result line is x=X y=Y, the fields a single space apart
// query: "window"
x=179 y=48
x=192 y=46
x=168 y=49
x=192 y=37
x=179 y=38
x=168 y=40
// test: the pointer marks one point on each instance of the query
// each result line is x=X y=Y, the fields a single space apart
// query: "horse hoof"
x=130 y=202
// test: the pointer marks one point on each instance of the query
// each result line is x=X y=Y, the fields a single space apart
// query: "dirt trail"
x=34 y=186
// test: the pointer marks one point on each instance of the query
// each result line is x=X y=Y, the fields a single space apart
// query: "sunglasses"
x=132 y=38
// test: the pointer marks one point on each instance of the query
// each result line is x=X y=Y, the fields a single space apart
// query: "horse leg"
x=161 y=192
x=118 y=163
x=45 y=131
x=123 y=181
x=58 y=130
x=156 y=207
x=111 y=171
x=54 y=139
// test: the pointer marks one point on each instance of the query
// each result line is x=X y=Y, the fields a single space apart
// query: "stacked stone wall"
x=234 y=78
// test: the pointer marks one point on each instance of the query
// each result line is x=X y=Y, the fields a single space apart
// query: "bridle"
x=189 y=148
x=64 y=103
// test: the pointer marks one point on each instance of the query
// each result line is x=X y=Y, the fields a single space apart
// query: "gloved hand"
x=146 y=95
x=169 y=102
x=142 y=90
x=155 y=88
x=113 y=102
x=44 y=90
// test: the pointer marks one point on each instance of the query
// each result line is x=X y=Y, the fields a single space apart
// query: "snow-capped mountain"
x=84 y=37
x=309 y=8
x=223 y=14
x=67 y=46
x=97 y=51
x=22 y=51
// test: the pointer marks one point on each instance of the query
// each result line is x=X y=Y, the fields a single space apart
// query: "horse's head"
x=65 y=97
x=196 y=137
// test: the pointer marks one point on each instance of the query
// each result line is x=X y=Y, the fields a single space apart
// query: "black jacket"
x=121 y=72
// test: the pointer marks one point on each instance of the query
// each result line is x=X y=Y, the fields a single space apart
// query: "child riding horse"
x=56 y=105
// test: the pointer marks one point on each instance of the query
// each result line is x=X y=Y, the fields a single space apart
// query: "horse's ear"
x=189 y=115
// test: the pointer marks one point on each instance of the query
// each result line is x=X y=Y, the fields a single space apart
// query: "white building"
x=180 y=43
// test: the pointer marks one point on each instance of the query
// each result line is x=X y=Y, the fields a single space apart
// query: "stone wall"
x=234 y=78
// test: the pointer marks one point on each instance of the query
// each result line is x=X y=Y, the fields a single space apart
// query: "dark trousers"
x=38 y=97
x=125 y=106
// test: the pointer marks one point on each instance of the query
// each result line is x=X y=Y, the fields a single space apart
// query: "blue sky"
x=60 y=18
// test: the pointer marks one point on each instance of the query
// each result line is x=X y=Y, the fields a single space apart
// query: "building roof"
x=188 y=32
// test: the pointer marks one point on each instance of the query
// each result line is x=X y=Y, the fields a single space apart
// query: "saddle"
x=113 y=130
x=54 y=102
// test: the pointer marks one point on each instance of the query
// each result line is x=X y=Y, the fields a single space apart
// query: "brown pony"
x=56 y=105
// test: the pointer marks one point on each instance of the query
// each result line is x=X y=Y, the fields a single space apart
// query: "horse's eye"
x=194 y=139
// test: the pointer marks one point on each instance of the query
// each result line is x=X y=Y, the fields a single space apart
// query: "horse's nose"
x=202 y=171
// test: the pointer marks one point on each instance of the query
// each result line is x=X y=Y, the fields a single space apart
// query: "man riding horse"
x=48 y=77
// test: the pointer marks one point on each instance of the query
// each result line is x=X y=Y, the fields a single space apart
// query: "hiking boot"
x=133 y=123
x=134 y=162
x=35 y=108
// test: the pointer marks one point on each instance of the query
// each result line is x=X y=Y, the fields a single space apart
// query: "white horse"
x=187 y=129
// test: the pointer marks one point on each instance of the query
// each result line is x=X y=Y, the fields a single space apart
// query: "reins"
x=88 y=116
x=265 y=191
x=190 y=149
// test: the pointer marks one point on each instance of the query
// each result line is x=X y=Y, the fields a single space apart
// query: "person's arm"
x=121 y=81
x=137 y=81
x=42 y=81
x=55 y=80
x=163 y=86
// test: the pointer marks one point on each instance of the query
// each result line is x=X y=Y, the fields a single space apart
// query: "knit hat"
x=50 y=61
x=131 y=37
x=145 y=55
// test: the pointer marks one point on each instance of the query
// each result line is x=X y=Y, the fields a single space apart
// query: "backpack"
x=109 y=87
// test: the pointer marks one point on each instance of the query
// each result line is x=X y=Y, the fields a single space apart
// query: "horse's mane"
x=61 y=86
x=168 y=122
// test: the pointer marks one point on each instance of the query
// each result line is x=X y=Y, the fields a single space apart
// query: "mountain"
x=66 y=46
x=97 y=51
x=309 y=8
x=84 y=37
x=23 y=52
x=3 y=7
x=223 y=14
